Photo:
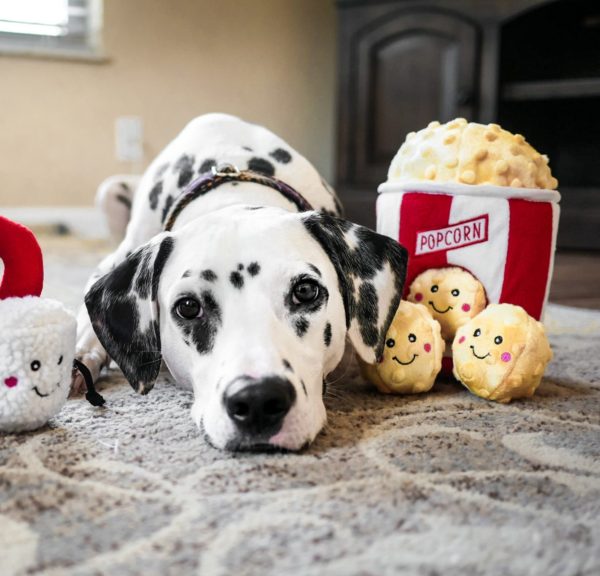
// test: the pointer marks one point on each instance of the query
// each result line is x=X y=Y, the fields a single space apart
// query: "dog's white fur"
x=252 y=331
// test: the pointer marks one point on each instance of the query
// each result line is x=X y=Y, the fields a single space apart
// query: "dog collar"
x=229 y=173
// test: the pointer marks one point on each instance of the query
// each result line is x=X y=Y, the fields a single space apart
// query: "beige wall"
x=270 y=61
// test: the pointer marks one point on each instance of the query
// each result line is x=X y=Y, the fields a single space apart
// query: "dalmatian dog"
x=247 y=299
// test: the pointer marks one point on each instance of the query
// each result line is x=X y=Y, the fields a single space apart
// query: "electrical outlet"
x=129 y=137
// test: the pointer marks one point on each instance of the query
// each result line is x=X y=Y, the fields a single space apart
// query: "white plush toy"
x=37 y=337
x=37 y=345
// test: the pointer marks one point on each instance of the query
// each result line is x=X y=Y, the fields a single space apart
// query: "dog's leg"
x=114 y=198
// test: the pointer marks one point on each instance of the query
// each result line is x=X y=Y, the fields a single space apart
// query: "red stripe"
x=420 y=212
x=528 y=255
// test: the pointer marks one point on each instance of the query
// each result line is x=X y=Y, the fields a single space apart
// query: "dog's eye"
x=434 y=288
x=498 y=339
x=35 y=365
x=188 y=308
x=305 y=292
x=477 y=333
x=455 y=292
x=390 y=342
x=412 y=338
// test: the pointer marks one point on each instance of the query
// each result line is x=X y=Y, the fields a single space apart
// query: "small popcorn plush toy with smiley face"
x=452 y=295
x=412 y=357
x=501 y=354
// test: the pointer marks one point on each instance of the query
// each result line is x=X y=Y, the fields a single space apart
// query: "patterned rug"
x=443 y=483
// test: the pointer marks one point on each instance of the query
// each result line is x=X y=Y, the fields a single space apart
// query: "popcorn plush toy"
x=37 y=337
x=501 y=354
x=452 y=295
x=412 y=357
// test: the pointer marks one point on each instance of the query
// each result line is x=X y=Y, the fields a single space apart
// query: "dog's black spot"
x=301 y=325
x=247 y=149
x=328 y=212
x=124 y=318
x=287 y=365
x=240 y=267
x=155 y=193
x=120 y=279
x=125 y=200
x=160 y=171
x=143 y=281
x=203 y=330
x=253 y=268
x=211 y=306
x=315 y=269
x=282 y=156
x=185 y=167
x=168 y=203
x=235 y=183
x=261 y=166
x=368 y=313
x=304 y=388
x=236 y=279
x=187 y=274
x=164 y=251
x=254 y=208
x=327 y=334
x=208 y=275
x=207 y=165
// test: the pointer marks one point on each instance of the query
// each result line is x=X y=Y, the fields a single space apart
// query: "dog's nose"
x=262 y=405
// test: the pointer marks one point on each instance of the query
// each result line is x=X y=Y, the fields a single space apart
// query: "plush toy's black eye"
x=60 y=360
x=455 y=292
x=498 y=339
x=477 y=332
x=188 y=308
x=390 y=342
x=434 y=288
x=305 y=292
x=412 y=338
x=35 y=365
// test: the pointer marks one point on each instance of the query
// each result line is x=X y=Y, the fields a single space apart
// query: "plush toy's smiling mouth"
x=36 y=390
x=439 y=311
x=405 y=363
x=475 y=353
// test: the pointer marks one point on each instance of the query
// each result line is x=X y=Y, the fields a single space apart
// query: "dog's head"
x=250 y=307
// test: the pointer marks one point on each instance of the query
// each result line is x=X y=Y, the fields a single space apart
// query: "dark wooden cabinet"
x=531 y=65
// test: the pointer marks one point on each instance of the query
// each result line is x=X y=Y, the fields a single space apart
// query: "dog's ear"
x=124 y=312
x=371 y=270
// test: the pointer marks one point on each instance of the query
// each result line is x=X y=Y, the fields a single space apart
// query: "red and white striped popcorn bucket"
x=504 y=236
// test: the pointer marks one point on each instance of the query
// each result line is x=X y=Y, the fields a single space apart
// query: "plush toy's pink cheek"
x=466 y=307
x=506 y=357
x=461 y=339
x=11 y=382
x=418 y=296
x=427 y=347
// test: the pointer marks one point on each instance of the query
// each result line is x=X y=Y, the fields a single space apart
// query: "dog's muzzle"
x=260 y=406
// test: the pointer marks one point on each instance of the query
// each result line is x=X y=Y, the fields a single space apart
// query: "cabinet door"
x=407 y=68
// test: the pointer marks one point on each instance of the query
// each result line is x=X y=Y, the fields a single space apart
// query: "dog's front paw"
x=92 y=362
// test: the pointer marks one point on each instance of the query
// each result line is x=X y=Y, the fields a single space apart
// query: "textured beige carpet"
x=444 y=483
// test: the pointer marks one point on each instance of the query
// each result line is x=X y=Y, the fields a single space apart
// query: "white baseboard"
x=83 y=221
